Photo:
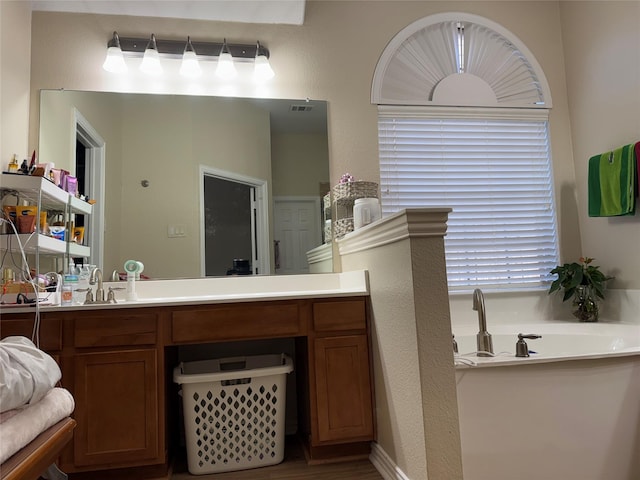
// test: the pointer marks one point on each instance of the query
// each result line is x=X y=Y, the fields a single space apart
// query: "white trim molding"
x=384 y=465
x=96 y=166
x=414 y=222
x=320 y=254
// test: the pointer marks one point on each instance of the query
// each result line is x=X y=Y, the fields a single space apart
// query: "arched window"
x=463 y=123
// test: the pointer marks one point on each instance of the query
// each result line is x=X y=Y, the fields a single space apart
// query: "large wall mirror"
x=147 y=157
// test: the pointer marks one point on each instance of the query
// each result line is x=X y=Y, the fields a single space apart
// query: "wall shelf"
x=41 y=192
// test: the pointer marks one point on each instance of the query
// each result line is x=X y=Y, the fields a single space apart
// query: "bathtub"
x=570 y=411
x=560 y=342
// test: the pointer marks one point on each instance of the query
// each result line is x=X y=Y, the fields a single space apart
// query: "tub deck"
x=560 y=341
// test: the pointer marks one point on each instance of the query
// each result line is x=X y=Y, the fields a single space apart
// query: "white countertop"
x=233 y=289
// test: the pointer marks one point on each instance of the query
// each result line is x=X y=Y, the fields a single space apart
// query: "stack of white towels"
x=30 y=402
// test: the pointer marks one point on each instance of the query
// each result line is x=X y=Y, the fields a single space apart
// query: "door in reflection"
x=296 y=231
x=229 y=225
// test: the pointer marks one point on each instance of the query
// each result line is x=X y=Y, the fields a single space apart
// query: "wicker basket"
x=343 y=226
x=344 y=196
x=348 y=192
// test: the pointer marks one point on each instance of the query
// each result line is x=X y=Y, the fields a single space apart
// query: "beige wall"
x=15 y=52
x=327 y=58
x=333 y=56
x=602 y=54
x=58 y=142
x=298 y=160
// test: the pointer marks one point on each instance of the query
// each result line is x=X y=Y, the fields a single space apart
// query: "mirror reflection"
x=180 y=179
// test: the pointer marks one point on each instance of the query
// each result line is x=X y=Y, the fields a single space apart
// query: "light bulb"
x=262 y=70
x=115 y=59
x=190 y=66
x=151 y=60
x=226 y=68
x=114 y=62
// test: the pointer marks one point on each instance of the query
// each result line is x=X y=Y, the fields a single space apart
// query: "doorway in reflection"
x=296 y=231
x=229 y=228
x=89 y=171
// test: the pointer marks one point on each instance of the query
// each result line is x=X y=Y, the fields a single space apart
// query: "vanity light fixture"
x=262 y=69
x=151 y=60
x=225 y=56
x=225 y=69
x=190 y=66
x=115 y=60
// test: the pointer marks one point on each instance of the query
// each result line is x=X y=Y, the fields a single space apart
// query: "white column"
x=414 y=375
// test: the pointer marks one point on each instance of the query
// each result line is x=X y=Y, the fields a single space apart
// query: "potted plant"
x=584 y=283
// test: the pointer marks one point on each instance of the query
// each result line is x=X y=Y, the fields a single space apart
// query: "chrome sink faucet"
x=96 y=277
x=485 y=344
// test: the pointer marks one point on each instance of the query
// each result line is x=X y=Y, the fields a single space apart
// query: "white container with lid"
x=366 y=211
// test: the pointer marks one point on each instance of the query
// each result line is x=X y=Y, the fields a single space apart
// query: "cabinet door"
x=116 y=408
x=343 y=389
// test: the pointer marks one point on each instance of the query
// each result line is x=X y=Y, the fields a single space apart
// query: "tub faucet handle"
x=522 y=349
x=455 y=344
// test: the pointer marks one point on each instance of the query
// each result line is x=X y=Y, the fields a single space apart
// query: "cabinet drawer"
x=117 y=328
x=50 y=331
x=340 y=315
x=233 y=322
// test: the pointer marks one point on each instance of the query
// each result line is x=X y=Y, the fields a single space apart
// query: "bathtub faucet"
x=485 y=343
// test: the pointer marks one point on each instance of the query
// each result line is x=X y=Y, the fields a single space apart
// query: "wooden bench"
x=38 y=457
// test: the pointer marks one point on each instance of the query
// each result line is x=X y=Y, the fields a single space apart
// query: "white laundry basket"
x=234 y=411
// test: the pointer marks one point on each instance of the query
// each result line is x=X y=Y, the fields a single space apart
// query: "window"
x=463 y=123
x=493 y=168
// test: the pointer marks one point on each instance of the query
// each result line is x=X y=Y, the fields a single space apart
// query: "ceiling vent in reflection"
x=300 y=108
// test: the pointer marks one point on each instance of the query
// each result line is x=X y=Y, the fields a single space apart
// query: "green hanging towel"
x=611 y=183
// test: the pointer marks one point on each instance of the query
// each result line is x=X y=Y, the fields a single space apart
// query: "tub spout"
x=485 y=344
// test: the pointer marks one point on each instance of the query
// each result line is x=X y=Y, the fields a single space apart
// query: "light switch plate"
x=176 y=230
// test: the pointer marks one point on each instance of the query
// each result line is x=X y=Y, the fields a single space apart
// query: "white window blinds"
x=493 y=168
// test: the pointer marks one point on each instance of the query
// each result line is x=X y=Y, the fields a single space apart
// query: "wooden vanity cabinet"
x=116 y=395
x=117 y=362
x=22 y=324
x=341 y=394
x=111 y=366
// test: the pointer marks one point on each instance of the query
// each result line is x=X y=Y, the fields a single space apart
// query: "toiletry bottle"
x=68 y=289
x=83 y=283
x=13 y=164
x=132 y=267
x=131 y=287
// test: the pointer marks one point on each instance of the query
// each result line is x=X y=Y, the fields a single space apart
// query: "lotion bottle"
x=131 y=287
x=131 y=267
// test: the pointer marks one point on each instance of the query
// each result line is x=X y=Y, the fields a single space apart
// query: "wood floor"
x=294 y=467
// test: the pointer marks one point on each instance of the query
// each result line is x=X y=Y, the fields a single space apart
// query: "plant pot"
x=585 y=303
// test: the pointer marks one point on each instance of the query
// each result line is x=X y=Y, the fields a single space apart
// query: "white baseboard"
x=383 y=463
